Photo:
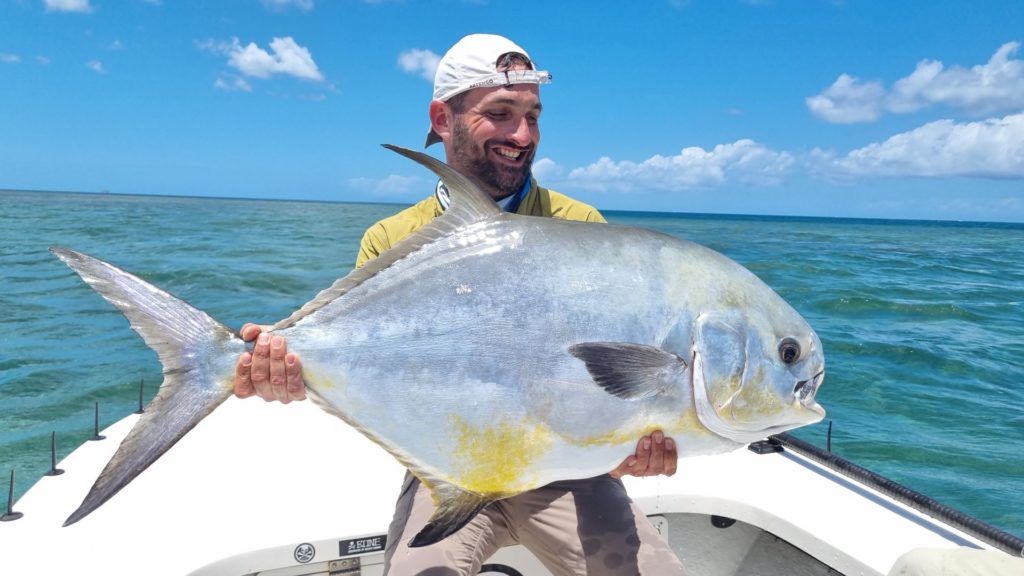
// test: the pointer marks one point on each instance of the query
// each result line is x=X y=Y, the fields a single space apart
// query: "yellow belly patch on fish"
x=493 y=458
x=319 y=381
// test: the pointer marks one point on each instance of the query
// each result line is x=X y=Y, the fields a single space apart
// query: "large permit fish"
x=492 y=353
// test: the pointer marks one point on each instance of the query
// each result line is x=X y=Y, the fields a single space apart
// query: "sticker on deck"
x=362 y=545
x=304 y=553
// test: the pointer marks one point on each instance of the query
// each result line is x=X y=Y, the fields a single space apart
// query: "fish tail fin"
x=453 y=509
x=197 y=354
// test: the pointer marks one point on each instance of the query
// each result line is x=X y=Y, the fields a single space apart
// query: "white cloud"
x=546 y=169
x=848 y=100
x=743 y=161
x=989 y=149
x=304 y=5
x=67 y=6
x=287 y=58
x=116 y=45
x=9 y=58
x=215 y=46
x=392 y=185
x=232 y=83
x=422 y=62
x=993 y=87
x=992 y=148
x=42 y=60
x=96 y=66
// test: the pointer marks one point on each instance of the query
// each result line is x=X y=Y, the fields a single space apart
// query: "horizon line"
x=735 y=215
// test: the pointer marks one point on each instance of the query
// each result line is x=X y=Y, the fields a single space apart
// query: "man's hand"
x=655 y=454
x=269 y=372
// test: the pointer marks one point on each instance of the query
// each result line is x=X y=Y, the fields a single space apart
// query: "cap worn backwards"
x=473 y=62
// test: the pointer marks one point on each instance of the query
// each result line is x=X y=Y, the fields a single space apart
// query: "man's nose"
x=521 y=133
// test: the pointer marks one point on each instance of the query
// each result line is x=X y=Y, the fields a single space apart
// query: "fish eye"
x=789 y=350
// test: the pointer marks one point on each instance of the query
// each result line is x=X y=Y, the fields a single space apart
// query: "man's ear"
x=441 y=118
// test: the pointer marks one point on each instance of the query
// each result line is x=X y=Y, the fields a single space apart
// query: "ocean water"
x=922 y=322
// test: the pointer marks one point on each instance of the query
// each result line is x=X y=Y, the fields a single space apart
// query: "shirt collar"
x=507 y=204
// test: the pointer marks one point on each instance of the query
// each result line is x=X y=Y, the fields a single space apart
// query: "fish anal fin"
x=453 y=506
x=453 y=509
x=629 y=371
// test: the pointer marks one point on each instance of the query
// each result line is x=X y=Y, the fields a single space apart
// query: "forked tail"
x=197 y=354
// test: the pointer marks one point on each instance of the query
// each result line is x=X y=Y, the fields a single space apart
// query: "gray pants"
x=578 y=527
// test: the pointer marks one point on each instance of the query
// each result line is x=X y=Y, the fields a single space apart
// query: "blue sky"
x=852 y=108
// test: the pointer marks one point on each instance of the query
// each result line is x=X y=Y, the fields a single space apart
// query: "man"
x=486 y=111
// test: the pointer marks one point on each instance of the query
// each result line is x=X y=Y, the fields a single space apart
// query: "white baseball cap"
x=473 y=63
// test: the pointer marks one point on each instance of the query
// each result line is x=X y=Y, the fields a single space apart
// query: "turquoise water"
x=923 y=323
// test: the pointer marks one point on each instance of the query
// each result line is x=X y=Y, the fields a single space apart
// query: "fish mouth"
x=805 y=390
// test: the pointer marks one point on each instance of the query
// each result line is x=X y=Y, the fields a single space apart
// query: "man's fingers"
x=671 y=457
x=656 y=454
x=293 y=369
x=624 y=469
x=643 y=457
x=656 y=463
x=243 y=384
x=278 y=376
x=260 y=374
x=269 y=372
x=250 y=331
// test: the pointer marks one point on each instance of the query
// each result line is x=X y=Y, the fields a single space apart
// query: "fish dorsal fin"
x=629 y=371
x=469 y=204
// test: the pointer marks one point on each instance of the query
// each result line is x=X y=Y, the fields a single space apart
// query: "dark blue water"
x=922 y=322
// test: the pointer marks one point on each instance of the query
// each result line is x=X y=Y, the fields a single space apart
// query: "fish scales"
x=462 y=324
x=492 y=353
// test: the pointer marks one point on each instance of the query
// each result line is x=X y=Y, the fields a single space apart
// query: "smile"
x=510 y=153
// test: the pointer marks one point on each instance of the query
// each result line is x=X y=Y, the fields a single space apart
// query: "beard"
x=473 y=161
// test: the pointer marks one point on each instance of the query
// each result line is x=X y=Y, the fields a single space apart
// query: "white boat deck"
x=253 y=481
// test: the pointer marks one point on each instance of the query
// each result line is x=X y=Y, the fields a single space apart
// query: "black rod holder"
x=828 y=439
x=96 y=425
x=10 y=514
x=54 y=471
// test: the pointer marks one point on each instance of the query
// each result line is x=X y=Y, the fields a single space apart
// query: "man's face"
x=495 y=136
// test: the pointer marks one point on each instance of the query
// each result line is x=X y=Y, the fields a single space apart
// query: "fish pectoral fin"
x=629 y=371
x=453 y=509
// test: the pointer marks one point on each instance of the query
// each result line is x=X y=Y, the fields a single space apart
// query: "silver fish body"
x=492 y=353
